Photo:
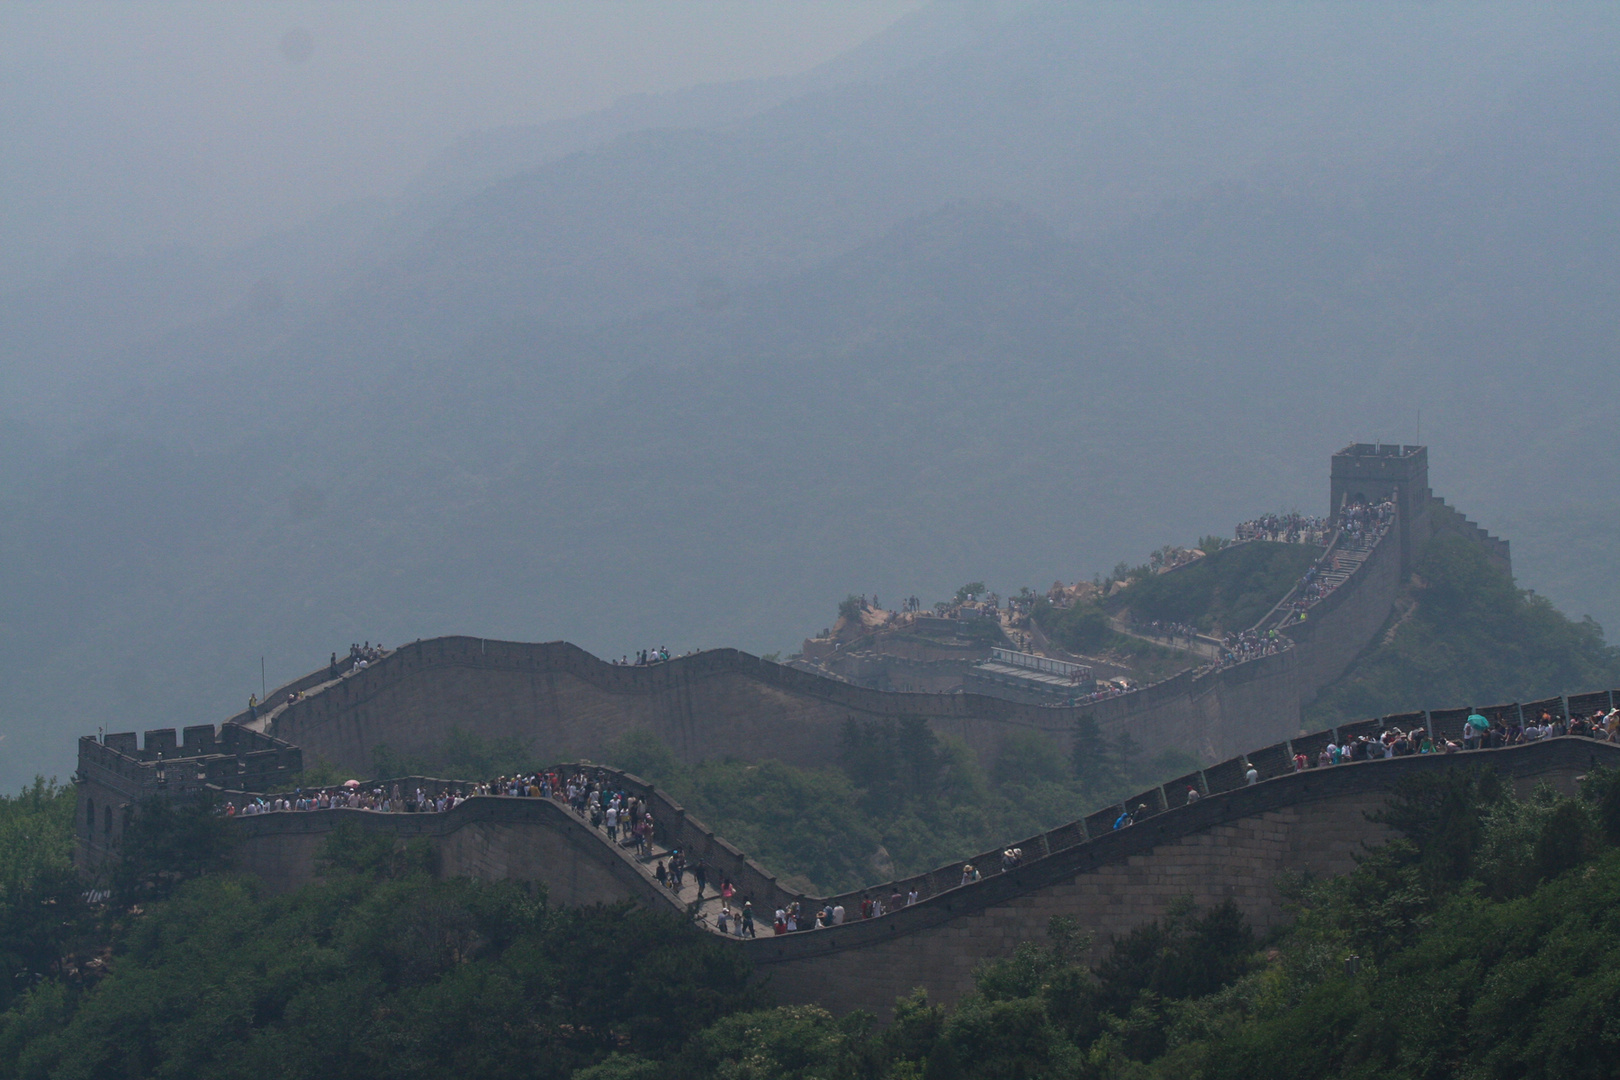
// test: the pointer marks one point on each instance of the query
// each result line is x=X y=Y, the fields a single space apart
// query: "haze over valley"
x=1006 y=293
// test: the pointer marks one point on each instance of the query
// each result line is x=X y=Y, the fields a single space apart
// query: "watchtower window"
x=90 y=817
x=106 y=821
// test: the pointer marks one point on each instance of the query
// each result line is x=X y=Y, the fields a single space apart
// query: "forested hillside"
x=901 y=800
x=1464 y=634
x=1479 y=942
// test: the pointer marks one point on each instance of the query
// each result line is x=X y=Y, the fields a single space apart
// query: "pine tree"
x=1090 y=757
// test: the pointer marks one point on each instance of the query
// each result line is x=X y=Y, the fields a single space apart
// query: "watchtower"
x=116 y=774
x=1372 y=472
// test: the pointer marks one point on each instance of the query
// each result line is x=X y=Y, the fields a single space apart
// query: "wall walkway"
x=1233 y=843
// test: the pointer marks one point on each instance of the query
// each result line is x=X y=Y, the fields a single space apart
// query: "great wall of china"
x=1235 y=842
x=563 y=702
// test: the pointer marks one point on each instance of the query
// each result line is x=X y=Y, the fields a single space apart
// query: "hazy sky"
x=128 y=125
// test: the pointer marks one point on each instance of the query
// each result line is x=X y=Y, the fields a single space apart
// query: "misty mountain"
x=1095 y=280
x=488 y=157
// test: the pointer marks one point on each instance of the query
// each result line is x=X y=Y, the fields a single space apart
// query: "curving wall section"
x=561 y=701
x=1233 y=843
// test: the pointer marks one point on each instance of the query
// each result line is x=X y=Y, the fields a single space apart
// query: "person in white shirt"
x=838 y=914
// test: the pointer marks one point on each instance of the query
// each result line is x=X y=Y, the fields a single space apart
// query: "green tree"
x=167 y=844
x=42 y=910
x=364 y=975
x=1090 y=758
x=1471 y=636
x=1232 y=588
x=1127 y=754
x=1083 y=628
x=799 y=1042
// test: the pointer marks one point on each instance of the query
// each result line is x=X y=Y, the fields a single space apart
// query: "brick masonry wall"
x=1343 y=624
x=490 y=839
x=564 y=703
x=1232 y=845
x=1240 y=860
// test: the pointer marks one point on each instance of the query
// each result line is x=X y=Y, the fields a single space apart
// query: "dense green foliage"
x=1485 y=939
x=1485 y=936
x=901 y=801
x=1085 y=629
x=379 y=971
x=1230 y=589
x=40 y=908
x=464 y=755
x=165 y=846
x=1080 y=628
x=1472 y=637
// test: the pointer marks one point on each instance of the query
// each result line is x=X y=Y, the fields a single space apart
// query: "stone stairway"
x=1343 y=563
x=708 y=904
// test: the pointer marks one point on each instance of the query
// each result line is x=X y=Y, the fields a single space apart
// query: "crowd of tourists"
x=1362 y=523
x=644 y=657
x=1168 y=628
x=1236 y=648
x=1481 y=732
x=361 y=656
x=1309 y=592
x=1104 y=691
x=1293 y=528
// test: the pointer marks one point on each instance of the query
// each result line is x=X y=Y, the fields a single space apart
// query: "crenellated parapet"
x=117 y=772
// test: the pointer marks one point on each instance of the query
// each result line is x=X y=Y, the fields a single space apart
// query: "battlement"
x=118 y=772
x=1381 y=450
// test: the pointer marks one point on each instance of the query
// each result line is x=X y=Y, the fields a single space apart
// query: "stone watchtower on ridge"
x=1370 y=472
x=116 y=774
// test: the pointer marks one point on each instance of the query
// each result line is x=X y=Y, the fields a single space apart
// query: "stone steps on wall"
x=708 y=904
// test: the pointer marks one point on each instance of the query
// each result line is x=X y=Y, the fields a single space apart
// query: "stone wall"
x=564 y=702
x=1233 y=844
x=1444 y=518
x=1240 y=860
x=1346 y=621
x=490 y=839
